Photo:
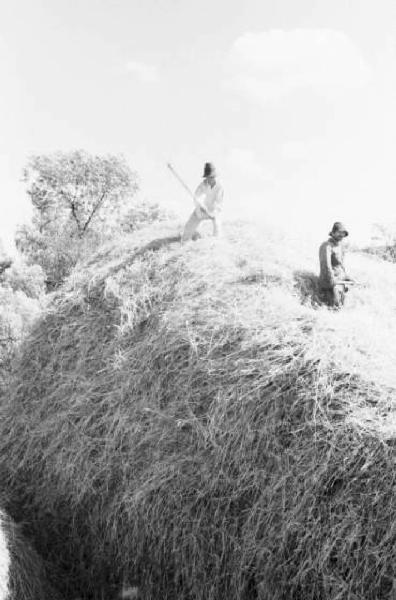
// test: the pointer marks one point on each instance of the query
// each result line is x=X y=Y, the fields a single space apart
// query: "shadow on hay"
x=154 y=245
x=157 y=244
x=27 y=577
x=307 y=285
x=260 y=277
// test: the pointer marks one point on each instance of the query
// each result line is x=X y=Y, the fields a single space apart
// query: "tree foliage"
x=385 y=233
x=143 y=213
x=78 y=189
x=21 y=277
x=384 y=241
x=17 y=314
x=77 y=197
x=21 y=290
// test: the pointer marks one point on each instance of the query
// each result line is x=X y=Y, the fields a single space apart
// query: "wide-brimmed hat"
x=339 y=228
x=209 y=170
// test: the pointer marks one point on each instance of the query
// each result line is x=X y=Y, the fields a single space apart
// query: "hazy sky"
x=294 y=100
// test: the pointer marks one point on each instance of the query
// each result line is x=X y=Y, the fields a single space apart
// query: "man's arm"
x=326 y=270
x=219 y=201
x=217 y=205
x=329 y=267
x=342 y=277
x=198 y=197
x=346 y=277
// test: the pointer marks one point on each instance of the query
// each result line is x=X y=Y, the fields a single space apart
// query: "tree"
x=384 y=239
x=78 y=188
x=21 y=289
x=385 y=233
x=76 y=198
x=5 y=260
x=17 y=315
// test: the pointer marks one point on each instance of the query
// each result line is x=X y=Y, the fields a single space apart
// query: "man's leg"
x=191 y=226
x=339 y=295
x=217 y=228
x=327 y=296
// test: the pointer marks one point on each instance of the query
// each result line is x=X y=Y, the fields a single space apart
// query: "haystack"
x=22 y=574
x=187 y=420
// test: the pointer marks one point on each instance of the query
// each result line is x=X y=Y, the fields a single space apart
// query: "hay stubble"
x=183 y=421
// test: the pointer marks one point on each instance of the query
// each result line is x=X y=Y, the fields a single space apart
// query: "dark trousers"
x=334 y=296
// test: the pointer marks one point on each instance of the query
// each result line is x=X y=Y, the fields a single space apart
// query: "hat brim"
x=344 y=232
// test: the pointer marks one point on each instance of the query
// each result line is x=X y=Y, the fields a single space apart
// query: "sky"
x=293 y=100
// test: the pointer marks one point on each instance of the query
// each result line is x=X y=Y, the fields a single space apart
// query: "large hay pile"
x=22 y=573
x=184 y=420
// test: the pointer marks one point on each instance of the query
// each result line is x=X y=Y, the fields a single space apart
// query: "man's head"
x=210 y=174
x=338 y=232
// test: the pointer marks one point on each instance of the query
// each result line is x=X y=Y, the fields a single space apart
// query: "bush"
x=17 y=313
x=142 y=214
x=383 y=241
x=29 y=279
x=56 y=252
x=181 y=420
x=382 y=252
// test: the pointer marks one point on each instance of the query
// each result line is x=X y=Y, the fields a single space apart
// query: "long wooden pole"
x=180 y=180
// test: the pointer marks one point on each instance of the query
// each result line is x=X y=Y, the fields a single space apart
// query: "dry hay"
x=22 y=574
x=4 y=563
x=186 y=421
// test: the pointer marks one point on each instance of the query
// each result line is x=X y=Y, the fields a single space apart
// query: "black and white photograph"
x=198 y=300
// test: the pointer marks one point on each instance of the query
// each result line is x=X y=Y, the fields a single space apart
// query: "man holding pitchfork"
x=208 y=199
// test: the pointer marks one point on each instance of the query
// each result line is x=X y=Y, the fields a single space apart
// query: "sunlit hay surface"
x=22 y=574
x=188 y=420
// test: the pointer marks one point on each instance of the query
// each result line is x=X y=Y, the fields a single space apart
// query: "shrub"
x=29 y=279
x=17 y=313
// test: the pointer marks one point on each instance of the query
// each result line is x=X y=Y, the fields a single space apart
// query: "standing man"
x=208 y=203
x=332 y=276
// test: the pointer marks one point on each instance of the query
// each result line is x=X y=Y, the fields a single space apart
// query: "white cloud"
x=146 y=73
x=269 y=65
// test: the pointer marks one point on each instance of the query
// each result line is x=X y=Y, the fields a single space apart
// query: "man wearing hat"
x=332 y=276
x=208 y=200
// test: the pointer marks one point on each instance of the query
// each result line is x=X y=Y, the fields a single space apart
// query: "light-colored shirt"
x=211 y=198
